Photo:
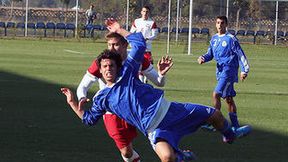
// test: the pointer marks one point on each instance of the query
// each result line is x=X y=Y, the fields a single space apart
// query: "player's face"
x=115 y=45
x=145 y=13
x=108 y=70
x=221 y=26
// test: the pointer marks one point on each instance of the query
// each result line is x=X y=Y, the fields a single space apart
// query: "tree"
x=239 y=4
x=12 y=7
x=66 y=4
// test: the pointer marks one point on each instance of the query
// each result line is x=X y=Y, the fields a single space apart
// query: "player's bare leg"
x=164 y=151
x=129 y=155
x=216 y=99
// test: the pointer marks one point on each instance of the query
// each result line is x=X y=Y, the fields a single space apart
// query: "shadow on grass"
x=37 y=125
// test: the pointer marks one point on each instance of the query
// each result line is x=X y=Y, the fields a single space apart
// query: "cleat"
x=186 y=156
x=208 y=127
x=243 y=131
x=228 y=140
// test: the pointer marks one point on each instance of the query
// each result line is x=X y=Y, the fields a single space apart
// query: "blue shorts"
x=181 y=119
x=225 y=88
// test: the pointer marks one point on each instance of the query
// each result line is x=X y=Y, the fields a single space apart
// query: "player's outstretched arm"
x=164 y=64
x=72 y=102
x=114 y=26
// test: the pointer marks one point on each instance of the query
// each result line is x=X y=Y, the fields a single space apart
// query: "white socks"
x=132 y=158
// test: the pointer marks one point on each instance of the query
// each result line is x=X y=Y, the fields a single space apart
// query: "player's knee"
x=216 y=95
x=229 y=100
x=168 y=158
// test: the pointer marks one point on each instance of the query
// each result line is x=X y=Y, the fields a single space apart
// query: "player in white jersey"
x=228 y=54
x=149 y=29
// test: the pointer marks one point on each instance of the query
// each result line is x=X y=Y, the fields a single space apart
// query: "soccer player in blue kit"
x=226 y=51
x=145 y=107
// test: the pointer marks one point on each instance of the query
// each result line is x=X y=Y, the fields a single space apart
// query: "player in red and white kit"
x=149 y=29
x=119 y=130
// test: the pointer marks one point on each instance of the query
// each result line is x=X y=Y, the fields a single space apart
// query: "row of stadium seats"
x=281 y=35
x=257 y=33
x=38 y=26
x=89 y=30
x=49 y=26
x=204 y=31
x=236 y=33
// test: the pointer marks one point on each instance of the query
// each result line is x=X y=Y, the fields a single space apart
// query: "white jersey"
x=148 y=28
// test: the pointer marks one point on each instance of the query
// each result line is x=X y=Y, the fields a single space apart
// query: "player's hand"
x=201 y=60
x=82 y=102
x=69 y=95
x=164 y=64
x=243 y=76
x=112 y=25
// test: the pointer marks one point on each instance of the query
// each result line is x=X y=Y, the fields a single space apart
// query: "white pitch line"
x=71 y=51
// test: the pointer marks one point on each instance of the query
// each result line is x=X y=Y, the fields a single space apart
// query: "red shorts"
x=148 y=55
x=119 y=130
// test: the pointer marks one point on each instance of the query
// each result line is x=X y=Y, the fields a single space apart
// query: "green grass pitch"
x=37 y=125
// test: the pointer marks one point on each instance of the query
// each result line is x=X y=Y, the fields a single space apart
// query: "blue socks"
x=234 y=119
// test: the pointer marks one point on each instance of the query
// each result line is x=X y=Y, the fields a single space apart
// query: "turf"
x=37 y=125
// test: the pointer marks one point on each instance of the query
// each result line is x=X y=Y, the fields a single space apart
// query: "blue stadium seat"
x=21 y=29
x=175 y=29
x=250 y=33
x=158 y=30
x=60 y=26
x=20 y=25
x=241 y=32
x=70 y=27
x=231 y=31
x=50 y=26
x=97 y=27
x=164 y=30
x=286 y=34
x=40 y=26
x=10 y=25
x=3 y=25
x=185 y=30
x=280 y=34
x=195 y=30
x=31 y=25
x=204 y=31
x=260 y=33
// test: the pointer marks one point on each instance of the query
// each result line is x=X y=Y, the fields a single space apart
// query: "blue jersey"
x=226 y=51
x=129 y=98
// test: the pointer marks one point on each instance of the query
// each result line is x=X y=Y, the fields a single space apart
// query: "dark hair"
x=116 y=35
x=224 y=18
x=107 y=54
x=147 y=7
